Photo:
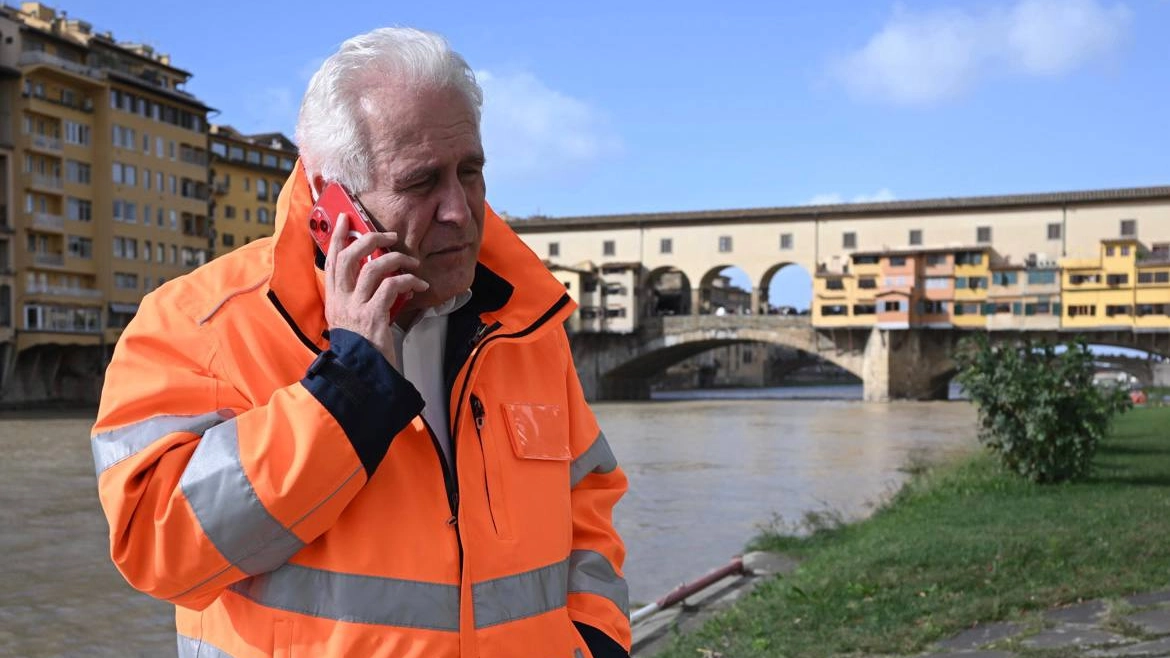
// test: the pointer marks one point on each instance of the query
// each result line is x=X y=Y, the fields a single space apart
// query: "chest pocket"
x=538 y=431
x=527 y=473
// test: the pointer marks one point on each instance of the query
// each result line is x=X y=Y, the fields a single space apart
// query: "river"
x=704 y=475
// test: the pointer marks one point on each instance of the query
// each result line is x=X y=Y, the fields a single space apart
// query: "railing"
x=45 y=143
x=47 y=221
x=52 y=260
x=62 y=291
x=683 y=323
x=47 y=182
x=34 y=57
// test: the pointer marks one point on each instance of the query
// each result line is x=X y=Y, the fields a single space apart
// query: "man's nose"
x=453 y=208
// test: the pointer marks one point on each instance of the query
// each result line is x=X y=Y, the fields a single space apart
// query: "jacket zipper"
x=449 y=482
x=477 y=413
x=486 y=337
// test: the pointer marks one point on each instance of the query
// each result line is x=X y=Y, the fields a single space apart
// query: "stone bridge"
x=892 y=363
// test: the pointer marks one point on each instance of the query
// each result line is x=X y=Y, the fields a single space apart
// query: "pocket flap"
x=538 y=431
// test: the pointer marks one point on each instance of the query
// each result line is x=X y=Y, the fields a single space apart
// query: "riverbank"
x=960 y=545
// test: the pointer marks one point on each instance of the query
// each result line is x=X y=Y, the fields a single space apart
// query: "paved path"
x=1137 y=626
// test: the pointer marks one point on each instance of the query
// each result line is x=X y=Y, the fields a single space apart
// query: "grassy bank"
x=963 y=544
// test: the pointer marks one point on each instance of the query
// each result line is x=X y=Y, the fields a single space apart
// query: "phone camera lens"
x=324 y=226
x=313 y=225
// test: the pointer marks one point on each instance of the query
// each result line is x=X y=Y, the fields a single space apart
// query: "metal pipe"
x=687 y=589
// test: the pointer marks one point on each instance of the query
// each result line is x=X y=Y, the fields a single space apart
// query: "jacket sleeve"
x=598 y=596
x=202 y=488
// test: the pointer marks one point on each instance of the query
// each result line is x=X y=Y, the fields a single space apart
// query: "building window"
x=1054 y=231
x=936 y=260
x=1128 y=228
x=834 y=284
x=1042 y=277
x=915 y=236
x=849 y=240
x=126 y=280
x=867 y=283
x=936 y=283
x=262 y=216
x=891 y=307
x=80 y=247
x=834 y=309
x=229 y=240
x=261 y=189
x=724 y=244
x=78 y=209
x=1004 y=278
x=983 y=234
x=785 y=241
x=864 y=309
x=1112 y=310
x=607 y=248
x=969 y=258
x=897 y=261
x=1117 y=279
x=554 y=249
x=665 y=246
x=247 y=214
x=1081 y=310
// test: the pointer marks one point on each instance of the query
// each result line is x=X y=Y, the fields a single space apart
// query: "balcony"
x=50 y=260
x=62 y=291
x=48 y=222
x=38 y=58
x=40 y=181
x=44 y=143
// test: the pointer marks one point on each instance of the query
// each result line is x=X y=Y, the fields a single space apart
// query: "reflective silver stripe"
x=353 y=598
x=577 y=653
x=521 y=595
x=591 y=573
x=189 y=647
x=113 y=446
x=597 y=459
x=229 y=511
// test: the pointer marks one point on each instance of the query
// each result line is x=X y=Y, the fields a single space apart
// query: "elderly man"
x=303 y=478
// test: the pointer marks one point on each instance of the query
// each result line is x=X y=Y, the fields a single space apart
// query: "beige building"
x=247 y=172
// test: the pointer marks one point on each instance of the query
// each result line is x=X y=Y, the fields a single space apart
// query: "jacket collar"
x=512 y=286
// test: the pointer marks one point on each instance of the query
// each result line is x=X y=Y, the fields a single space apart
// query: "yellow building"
x=1103 y=292
x=246 y=173
x=833 y=294
x=972 y=279
x=1152 y=296
x=108 y=195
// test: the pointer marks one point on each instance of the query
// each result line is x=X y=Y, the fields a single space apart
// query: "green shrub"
x=1039 y=410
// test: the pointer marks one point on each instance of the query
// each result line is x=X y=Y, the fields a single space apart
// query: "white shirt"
x=420 y=349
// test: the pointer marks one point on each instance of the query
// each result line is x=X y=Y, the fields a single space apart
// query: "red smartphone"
x=333 y=201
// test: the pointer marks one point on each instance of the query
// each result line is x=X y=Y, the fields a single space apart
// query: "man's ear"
x=317 y=182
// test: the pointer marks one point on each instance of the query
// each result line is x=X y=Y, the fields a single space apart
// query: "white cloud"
x=921 y=58
x=531 y=130
x=832 y=198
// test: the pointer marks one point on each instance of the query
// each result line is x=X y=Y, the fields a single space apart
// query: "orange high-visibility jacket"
x=278 y=484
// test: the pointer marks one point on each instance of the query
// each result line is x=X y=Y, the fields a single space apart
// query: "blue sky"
x=607 y=107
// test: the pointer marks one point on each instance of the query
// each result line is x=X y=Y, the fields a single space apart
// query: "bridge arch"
x=785 y=288
x=668 y=291
x=722 y=287
x=688 y=337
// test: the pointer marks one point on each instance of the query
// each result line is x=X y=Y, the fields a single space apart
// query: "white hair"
x=331 y=134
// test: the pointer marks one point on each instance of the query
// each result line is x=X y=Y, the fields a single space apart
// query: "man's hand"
x=359 y=297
